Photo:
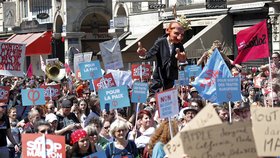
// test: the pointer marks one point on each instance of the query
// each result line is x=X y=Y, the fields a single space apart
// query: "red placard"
x=4 y=94
x=146 y=71
x=52 y=91
x=104 y=82
x=35 y=145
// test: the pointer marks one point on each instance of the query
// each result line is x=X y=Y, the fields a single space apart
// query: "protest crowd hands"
x=181 y=56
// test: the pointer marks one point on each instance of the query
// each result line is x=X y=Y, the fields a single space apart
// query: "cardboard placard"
x=266 y=130
x=226 y=140
x=206 y=117
x=39 y=145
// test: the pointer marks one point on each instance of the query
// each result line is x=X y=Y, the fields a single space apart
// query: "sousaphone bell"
x=55 y=71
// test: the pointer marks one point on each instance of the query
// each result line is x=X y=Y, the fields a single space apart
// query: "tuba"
x=55 y=70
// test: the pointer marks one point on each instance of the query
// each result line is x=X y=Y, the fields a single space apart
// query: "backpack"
x=113 y=152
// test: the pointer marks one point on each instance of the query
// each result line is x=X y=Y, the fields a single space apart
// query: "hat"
x=193 y=89
x=190 y=108
x=50 y=117
x=77 y=135
x=66 y=104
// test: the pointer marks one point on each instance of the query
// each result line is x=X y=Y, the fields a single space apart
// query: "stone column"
x=274 y=19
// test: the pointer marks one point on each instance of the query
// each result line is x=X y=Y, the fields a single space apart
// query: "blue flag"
x=205 y=82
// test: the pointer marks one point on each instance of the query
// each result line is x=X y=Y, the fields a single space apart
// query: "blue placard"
x=139 y=92
x=183 y=79
x=90 y=70
x=116 y=97
x=228 y=89
x=33 y=97
x=193 y=70
x=99 y=154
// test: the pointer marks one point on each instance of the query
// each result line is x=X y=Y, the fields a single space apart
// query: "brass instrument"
x=55 y=70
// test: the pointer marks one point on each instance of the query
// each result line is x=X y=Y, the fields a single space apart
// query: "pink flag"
x=252 y=43
x=67 y=68
x=43 y=65
x=29 y=72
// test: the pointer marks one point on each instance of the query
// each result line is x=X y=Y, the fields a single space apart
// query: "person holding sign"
x=168 y=50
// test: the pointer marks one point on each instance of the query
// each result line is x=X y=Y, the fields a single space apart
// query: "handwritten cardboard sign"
x=90 y=70
x=193 y=70
x=145 y=73
x=32 y=97
x=206 y=117
x=116 y=97
x=106 y=81
x=167 y=102
x=12 y=59
x=4 y=94
x=266 y=130
x=51 y=91
x=228 y=89
x=111 y=54
x=226 y=140
x=139 y=92
x=99 y=154
x=38 y=146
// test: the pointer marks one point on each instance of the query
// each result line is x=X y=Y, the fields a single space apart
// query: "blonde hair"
x=116 y=125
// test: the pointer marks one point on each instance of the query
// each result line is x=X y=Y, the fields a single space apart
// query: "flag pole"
x=270 y=79
x=229 y=111
x=170 y=127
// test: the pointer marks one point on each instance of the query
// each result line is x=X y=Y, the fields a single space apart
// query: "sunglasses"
x=153 y=102
x=107 y=127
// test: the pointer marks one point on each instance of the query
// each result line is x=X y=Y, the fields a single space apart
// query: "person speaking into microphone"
x=168 y=51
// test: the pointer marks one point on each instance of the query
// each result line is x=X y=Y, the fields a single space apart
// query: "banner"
x=114 y=97
x=228 y=89
x=266 y=130
x=31 y=97
x=99 y=154
x=139 y=92
x=205 y=83
x=12 y=59
x=38 y=146
x=90 y=70
x=111 y=54
x=4 y=94
x=106 y=81
x=136 y=71
x=51 y=91
x=167 y=102
x=252 y=43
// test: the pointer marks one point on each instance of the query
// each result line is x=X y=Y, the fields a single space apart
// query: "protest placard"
x=51 y=91
x=106 y=81
x=146 y=71
x=111 y=54
x=12 y=59
x=38 y=146
x=167 y=102
x=228 y=89
x=4 y=94
x=266 y=130
x=79 y=58
x=206 y=117
x=90 y=70
x=32 y=97
x=99 y=154
x=121 y=77
x=193 y=70
x=139 y=92
x=226 y=140
x=116 y=97
x=183 y=80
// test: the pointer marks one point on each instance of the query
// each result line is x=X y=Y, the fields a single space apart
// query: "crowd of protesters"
x=76 y=114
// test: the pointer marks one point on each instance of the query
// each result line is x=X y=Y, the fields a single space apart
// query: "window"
x=24 y=8
x=41 y=6
x=136 y=7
